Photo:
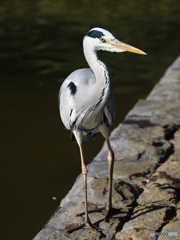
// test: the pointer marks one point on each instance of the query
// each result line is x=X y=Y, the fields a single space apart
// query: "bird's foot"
x=86 y=225
x=99 y=208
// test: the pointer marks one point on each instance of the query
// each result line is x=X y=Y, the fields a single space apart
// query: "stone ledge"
x=146 y=183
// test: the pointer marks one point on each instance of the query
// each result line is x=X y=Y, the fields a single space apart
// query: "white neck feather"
x=98 y=67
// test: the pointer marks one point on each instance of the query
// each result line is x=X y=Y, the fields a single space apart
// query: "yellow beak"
x=125 y=47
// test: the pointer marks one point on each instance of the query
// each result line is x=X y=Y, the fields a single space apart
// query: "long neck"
x=103 y=80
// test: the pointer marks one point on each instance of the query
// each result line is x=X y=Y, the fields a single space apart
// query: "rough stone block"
x=171 y=169
x=139 y=129
x=156 y=109
x=128 y=150
x=172 y=73
x=173 y=230
x=143 y=221
x=65 y=218
x=127 y=171
x=140 y=233
x=51 y=234
x=178 y=211
x=123 y=194
x=98 y=191
x=167 y=91
x=161 y=195
x=176 y=142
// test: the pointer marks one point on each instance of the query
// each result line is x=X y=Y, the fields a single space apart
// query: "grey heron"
x=87 y=104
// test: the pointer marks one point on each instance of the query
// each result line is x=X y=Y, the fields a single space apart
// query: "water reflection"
x=39 y=47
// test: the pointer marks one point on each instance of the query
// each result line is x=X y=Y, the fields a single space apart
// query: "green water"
x=39 y=47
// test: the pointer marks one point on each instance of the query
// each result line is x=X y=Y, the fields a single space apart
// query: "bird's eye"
x=102 y=39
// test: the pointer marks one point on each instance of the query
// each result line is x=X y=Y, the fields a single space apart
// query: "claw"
x=87 y=225
x=80 y=215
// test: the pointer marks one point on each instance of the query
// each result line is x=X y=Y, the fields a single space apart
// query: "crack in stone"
x=142 y=123
x=169 y=131
x=170 y=214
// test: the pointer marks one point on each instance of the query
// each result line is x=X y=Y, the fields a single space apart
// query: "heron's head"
x=101 y=39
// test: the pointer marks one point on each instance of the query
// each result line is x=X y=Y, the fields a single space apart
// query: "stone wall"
x=146 y=187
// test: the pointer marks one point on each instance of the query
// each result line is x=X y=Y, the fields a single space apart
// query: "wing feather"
x=72 y=95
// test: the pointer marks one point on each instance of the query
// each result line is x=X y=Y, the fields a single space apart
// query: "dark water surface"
x=38 y=50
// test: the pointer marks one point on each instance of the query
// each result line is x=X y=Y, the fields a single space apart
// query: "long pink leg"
x=84 y=172
x=111 y=167
x=107 y=208
x=87 y=222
